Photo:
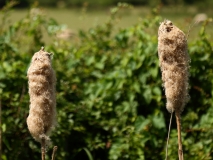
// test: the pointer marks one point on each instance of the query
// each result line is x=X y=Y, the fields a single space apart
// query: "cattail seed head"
x=41 y=80
x=174 y=64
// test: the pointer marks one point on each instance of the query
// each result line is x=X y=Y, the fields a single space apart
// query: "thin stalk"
x=0 y=131
x=180 y=149
x=43 y=148
x=54 y=152
x=167 y=143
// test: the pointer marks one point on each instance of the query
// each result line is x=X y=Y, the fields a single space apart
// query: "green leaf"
x=147 y=94
x=4 y=127
x=141 y=123
x=158 y=121
x=88 y=153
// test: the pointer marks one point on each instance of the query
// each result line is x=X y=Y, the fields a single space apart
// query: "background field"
x=84 y=18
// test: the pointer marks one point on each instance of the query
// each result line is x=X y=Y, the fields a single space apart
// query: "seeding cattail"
x=174 y=64
x=41 y=79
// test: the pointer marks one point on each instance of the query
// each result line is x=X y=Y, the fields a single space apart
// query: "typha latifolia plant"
x=174 y=64
x=42 y=114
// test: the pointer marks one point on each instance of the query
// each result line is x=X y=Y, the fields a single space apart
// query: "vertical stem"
x=0 y=132
x=180 y=150
x=43 y=148
x=167 y=143
x=54 y=152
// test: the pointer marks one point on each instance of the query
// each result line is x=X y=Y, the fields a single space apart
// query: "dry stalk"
x=167 y=143
x=174 y=64
x=43 y=148
x=180 y=149
x=54 y=152
x=0 y=132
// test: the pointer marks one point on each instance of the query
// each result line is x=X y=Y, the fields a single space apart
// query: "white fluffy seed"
x=41 y=80
x=174 y=64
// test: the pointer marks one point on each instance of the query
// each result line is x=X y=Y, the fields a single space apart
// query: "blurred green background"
x=104 y=3
x=110 y=100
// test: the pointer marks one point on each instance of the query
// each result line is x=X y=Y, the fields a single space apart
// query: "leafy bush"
x=110 y=100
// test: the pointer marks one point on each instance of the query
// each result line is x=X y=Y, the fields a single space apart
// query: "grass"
x=81 y=18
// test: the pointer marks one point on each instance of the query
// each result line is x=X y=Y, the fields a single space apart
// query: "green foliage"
x=110 y=101
x=104 y=3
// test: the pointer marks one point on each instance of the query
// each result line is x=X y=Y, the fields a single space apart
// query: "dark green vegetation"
x=104 y=3
x=110 y=102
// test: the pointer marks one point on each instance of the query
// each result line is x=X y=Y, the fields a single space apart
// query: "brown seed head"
x=174 y=64
x=41 y=80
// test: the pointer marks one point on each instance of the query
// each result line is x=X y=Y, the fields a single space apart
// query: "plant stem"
x=180 y=150
x=167 y=143
x=0 y=131
x=43 y=148
x=54 y=152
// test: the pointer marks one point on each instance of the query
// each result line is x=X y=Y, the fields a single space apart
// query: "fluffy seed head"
x=174 y=64
x=41 y=80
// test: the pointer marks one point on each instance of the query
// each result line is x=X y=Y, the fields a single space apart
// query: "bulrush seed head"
x=174 y=64
x=41 y=80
